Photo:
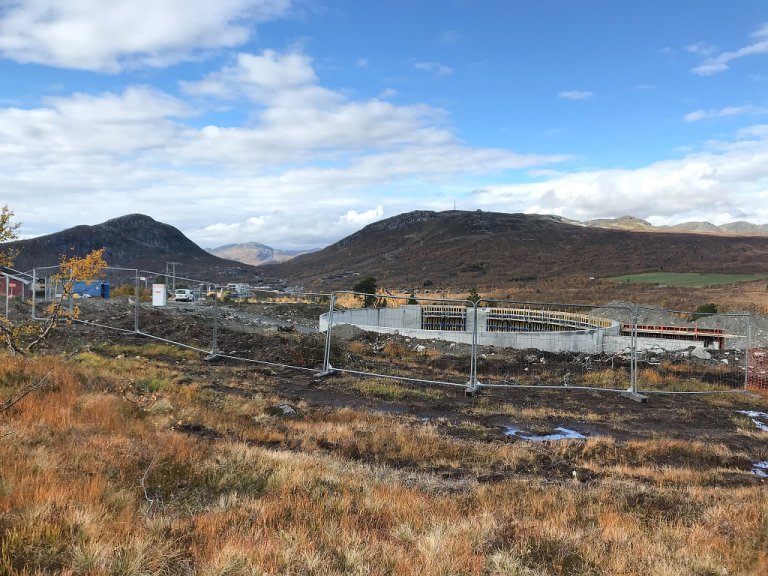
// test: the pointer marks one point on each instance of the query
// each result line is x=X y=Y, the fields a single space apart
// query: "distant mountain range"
x=485 y=249
x=453 y=249
x=254 y=253
x=632 y=223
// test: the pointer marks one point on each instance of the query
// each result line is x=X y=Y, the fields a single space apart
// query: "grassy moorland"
x=688 y=279
x=144 y=460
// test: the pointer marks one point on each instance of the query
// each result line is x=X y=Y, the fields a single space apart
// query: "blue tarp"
x=94 y=289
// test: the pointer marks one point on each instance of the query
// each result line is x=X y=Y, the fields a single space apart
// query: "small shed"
x=13 y=283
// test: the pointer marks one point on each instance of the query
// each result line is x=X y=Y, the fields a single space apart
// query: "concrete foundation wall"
x=406 y=321
x=619 y=344
x=402 y=317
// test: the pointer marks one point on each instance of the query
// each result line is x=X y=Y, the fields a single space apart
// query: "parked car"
x=184 y=295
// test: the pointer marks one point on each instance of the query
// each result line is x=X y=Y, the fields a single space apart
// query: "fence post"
x=136 y=296
x=34 y=290
x=473 y=385
x=746 y=356
x=327 y=368
x=7 y=294
x=632 y=392
x=215 y=337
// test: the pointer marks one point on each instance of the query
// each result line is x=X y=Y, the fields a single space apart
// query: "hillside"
x=731 y=228
x=484 y=249
x=132 y=241
x=254 y=253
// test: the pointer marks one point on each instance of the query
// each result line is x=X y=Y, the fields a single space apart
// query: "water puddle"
x=560 y=433
x=760 y=469
x=759 y=418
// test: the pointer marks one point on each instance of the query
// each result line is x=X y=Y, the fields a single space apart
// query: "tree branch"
x=8 y=404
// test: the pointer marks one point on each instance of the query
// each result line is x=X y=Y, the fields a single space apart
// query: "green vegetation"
x=366 y=288
x=704 y=310
x=688 y=279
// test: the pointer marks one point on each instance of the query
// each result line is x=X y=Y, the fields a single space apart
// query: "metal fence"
x=629 y=349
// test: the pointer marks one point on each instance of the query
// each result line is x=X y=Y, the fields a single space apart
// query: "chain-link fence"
x=617 y=347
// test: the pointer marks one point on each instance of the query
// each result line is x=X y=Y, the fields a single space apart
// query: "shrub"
x=704 y=310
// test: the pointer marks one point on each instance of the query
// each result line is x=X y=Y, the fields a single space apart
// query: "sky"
x=297 y=122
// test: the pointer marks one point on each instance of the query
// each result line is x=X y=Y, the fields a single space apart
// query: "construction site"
x=542 y=329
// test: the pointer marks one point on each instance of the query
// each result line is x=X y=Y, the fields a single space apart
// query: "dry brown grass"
x=97 y=480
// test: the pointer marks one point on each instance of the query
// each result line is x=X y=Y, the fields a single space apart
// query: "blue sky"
x=296 y=122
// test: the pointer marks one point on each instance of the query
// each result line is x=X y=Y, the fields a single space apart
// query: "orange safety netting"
x=757 y=372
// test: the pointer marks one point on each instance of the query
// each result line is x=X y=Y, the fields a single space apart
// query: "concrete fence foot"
x=472 y=389
x=635 y=396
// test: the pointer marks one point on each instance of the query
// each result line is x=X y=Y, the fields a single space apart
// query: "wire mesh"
x=429 y=340
x=92 y=302
x=275 y=328
x=402 y=337
x=174 y=308
x=692 y=352
x=553 y=345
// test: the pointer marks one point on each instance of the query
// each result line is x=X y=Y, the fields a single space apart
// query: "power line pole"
x=173 y=274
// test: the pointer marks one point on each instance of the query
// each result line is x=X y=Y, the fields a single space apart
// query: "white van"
x=184 y=295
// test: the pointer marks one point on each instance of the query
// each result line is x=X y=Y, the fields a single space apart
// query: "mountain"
x=622 y=222
x=254 y=253
x=700 y=227
x=133 y=241
x=742 y=227
x=632 y=223
x=485 y=249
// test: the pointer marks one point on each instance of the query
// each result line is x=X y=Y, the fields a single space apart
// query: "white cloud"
x=300 y=117
x=698 y=115
x=434 y=67
x=366 y=217
x=700 y=48
x=388 y=93
x=262 y=78
x=303 y=171
x=755 y=131
x=730 y=181
x=575 y=95
x=82 y=126
x=722 y=61
x=362 y=62
x=107 y=36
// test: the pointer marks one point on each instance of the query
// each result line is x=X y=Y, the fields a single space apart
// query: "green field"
x=688 y=279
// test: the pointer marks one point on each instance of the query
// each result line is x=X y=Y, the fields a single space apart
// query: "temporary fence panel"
x=94 y=302
x=424 y=340
x=690 y=352
x=274 y=328
x=428 y=340
x=45 y=291
x=552 y=345
x=186 y=318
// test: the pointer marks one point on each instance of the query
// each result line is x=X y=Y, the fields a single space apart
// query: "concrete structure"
x=520 y=328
